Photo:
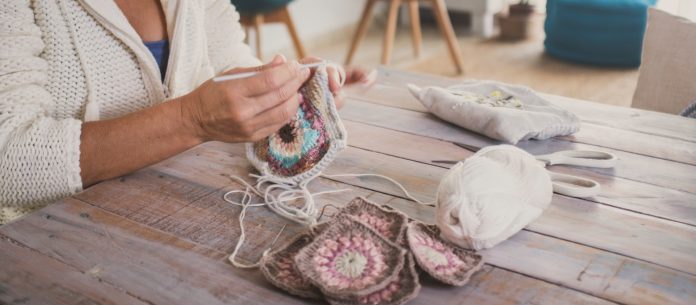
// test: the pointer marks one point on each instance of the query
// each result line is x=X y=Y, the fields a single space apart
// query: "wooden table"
x=162 y=234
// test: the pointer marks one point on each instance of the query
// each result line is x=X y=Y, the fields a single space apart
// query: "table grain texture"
x=162 y=235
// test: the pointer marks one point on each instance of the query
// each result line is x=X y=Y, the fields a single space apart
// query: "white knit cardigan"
x=64 y=62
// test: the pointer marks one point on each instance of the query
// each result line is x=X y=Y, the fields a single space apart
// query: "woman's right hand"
x=248 y=109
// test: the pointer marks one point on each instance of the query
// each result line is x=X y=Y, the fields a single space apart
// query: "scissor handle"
x=589 y=158
x=574 y=186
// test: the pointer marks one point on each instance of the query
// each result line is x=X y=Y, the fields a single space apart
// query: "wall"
x=684 y=8
x=325 y=22
x=317 y=21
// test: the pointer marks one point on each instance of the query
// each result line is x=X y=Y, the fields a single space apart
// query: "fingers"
x=274 y=78
x=273 y=98
x=265 y=132
x=334 y=82
x=280 y=114
x=361 y=77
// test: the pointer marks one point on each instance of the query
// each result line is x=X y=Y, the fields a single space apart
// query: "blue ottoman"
x=598 y=32
x=252 y=7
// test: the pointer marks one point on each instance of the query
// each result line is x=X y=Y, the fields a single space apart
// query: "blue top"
x=160 y=50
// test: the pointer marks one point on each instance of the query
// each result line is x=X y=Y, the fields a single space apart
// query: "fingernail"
x=337 y=78
x=305 y=71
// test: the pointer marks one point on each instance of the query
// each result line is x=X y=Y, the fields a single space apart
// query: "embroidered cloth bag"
x=500 y=111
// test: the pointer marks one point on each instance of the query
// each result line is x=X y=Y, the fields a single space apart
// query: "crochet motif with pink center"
x=279 y=269
x=301 y=144
x=349 y=259
x=443 y=261
x=388 y=223
x=349 y=262
x=403 y=288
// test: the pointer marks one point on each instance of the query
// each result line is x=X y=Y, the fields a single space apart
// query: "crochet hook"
x=227 y=77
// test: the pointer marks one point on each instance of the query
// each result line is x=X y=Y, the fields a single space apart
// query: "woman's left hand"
x=354 y=76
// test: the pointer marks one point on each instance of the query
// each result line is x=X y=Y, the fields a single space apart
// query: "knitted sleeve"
x=226 y=47
x=39 y=154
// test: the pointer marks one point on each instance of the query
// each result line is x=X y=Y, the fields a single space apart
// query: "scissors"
x=568 y=185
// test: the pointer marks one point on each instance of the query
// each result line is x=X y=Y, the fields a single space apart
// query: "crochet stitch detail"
x=443 y=261
x=402 y=289
x=279 y=268
x=349 y=260
x=305 y=146
x=389 y=223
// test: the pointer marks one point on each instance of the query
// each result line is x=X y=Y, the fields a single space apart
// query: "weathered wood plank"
x=156 y=267
x=639 y=120
x=627 y=194
x=564 y=263
x=163 y=269
x=27 y=277
x=657 y=146
x=631 y=166
x=147 y=195
x=586 y=222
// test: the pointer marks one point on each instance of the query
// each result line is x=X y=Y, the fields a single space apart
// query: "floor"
x=514 y=62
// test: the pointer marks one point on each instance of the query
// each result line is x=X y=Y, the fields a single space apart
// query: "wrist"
x=189 y=120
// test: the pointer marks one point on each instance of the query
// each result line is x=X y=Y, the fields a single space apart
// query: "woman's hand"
x=354 y=76
x=248 y=109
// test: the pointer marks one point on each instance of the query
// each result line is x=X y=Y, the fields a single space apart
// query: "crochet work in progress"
x=297 y=153
x=301 y=149
x=361 y=257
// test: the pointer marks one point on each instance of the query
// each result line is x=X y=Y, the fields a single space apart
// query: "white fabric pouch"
x=500 y=111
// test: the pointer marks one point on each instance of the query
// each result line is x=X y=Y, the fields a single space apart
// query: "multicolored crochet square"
x=279 y=269
x=443 y=261
x=306 y=145
x=349 y=260
x=402 y=289
x=389 y=223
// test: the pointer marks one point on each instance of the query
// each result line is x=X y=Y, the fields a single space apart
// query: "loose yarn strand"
x=279 y=204
x=246 y=199
x=399 y=185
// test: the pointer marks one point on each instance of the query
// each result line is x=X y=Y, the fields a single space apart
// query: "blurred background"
x=497 y=39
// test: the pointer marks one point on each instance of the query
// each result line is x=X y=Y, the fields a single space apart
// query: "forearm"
x=116 y=147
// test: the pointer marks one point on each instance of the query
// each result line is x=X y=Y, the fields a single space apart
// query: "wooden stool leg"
x=415 y=26
x=390 y=31
x=445 y=25
x=258 y=23
x=285 y=16
x=362 y=29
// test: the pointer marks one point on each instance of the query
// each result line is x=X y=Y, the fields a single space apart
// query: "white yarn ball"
x=491 y=196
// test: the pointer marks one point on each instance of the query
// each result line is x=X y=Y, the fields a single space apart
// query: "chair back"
x=667 y=80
